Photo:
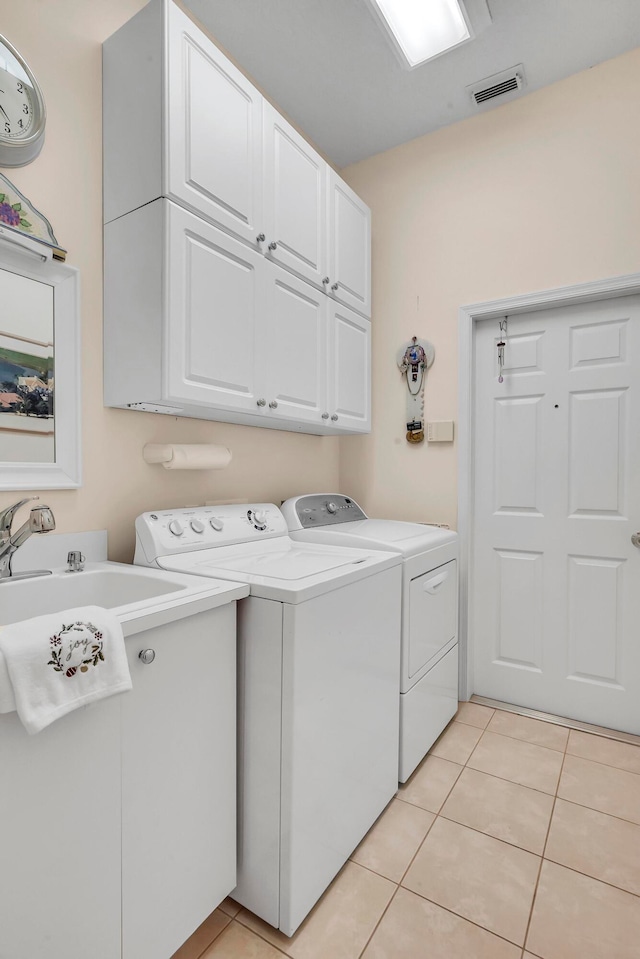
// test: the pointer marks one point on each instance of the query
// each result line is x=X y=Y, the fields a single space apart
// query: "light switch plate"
x=440 y=432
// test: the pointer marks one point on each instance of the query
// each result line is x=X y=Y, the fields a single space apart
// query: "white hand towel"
x=62 y=661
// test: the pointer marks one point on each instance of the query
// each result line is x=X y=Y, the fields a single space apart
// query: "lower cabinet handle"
x=325 y=416
x=273 y=405
x=334 y=287
x=261 y=402
x=334 y=417
x=273 y=245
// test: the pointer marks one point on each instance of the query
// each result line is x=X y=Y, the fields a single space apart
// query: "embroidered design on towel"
x=76 y=646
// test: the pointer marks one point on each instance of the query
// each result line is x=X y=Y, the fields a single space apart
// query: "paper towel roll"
x=194 y=456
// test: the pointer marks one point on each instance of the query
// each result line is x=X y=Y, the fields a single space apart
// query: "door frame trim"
x=468 y=316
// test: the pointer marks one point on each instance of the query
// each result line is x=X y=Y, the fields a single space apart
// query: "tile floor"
x=514 y=839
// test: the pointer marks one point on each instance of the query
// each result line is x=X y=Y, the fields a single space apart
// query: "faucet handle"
x=6 y=516
x=41 y=519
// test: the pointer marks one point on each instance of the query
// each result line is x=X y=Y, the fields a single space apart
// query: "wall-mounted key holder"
x=414 y=359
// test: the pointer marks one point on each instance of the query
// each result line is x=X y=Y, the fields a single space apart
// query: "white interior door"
x=555 y=579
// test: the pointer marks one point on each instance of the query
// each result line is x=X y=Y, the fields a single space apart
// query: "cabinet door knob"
x=273 y=245
x=334 y=287
x=334 y=417
x=273 y=405
x=325 y=280
x=260 y=238
x=147 y=656
x=325 y=416
x=261 y=402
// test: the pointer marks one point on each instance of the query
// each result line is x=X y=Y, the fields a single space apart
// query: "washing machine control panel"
x=326 y=509
x=169 y=531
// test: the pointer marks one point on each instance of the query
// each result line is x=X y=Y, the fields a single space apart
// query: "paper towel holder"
x=200 y=456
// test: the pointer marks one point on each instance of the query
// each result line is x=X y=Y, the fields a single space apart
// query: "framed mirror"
x=39 y=373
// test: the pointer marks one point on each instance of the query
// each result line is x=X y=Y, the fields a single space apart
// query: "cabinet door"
x=349 y=370
x=178 y=782
x=215 y=291
x=292 y=341
x=295 y=184
x=213 y=127
x=60 y=836
x=349 y=246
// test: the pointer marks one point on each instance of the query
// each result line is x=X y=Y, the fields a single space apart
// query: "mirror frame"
x=66 y=471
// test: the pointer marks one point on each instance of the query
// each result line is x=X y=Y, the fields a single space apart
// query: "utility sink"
x=140 y=598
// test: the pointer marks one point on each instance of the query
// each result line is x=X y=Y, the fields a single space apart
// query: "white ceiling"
x=329 y=65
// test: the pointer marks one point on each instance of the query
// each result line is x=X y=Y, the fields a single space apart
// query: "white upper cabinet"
x=349 y=246
x=213 y=131
x=349 y=370
x=295 y=190
x=216 y=293
x=293 y=347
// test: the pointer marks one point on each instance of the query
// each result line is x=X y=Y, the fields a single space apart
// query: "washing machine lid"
x=281 y=569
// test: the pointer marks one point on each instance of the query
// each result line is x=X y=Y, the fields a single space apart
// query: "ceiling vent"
x=503 y=86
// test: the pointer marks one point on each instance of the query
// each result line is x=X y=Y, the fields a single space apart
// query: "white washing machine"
x=429 y=658
x=318 y=692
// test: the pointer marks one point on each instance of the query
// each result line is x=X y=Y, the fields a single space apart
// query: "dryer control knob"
x=260 y=517
x=216 y=524
x=197 y=526
x=175 y=527
x=332 y=508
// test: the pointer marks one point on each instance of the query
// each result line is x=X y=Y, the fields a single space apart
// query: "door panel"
x=293 y=343
x=215 y=286
x=349 y=369
x=555 y=579
x=218 y=177
x=295 y=183
x=349 y=246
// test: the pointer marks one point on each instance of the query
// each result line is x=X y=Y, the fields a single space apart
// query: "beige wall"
x=538 y=193
x=61 y=41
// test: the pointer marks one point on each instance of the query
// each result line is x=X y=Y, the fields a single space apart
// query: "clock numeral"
x=20 y=124
x=25 y=109
x=7 y=128
x=20 y=87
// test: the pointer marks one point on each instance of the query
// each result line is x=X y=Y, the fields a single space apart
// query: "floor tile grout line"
x=260 y=936
x=586 y=759
x=542 y=859
x=519 y=739
x=460 y=916
x=587 y=875
x=375 y=928
x=574 y=802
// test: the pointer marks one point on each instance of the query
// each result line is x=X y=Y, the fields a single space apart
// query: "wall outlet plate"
x=440 y=432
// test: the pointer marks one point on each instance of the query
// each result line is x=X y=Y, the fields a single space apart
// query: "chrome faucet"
x=41 y=520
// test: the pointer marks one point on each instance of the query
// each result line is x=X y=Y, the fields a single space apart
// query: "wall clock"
x=22 y=110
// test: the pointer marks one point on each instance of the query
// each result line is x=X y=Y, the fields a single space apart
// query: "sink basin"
x=140 y=598
x=102 y=586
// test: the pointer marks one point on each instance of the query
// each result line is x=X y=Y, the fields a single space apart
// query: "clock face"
x=22 y=110
x=16 y=106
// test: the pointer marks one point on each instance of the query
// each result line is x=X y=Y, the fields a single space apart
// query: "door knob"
x=635 y=539
x=273 y=245
x=147 y=656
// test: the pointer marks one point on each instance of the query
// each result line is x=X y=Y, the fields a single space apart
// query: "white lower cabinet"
x=199 y=324
x=118 y=822
x=178 y=783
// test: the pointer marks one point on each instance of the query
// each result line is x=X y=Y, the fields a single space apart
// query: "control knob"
x=332 y=508
x=258 y=517
x=197 y=526
x=216 y=524
x=175 y=527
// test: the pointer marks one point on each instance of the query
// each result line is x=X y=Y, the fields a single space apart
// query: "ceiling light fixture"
x=423 y=29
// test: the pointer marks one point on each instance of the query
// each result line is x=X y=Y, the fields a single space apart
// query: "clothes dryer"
x=429 y=631
x=318 y=684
